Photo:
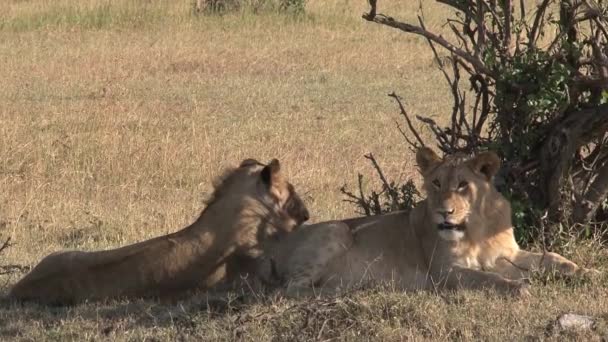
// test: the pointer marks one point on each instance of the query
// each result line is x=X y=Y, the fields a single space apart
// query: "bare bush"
x=391 y=197
x=531 y=84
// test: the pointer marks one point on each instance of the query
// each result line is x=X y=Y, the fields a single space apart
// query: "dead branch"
x=480 y=85
x=586 y=207
x=507 y=9
x=372 y=12
x=359 y=200
x=385 y=183
x=407 y=120
x=538 y=22
x=461 y=7
x=413 y=145
x=435 y=54
x=475 y=62
x=9 y=269
x=457 y=102
x=460 y=37
x=6 y=244
x=481 y=29
x=577 y=129
x=444 y=141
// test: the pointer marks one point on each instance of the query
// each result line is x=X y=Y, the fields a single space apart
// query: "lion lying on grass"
x=251 y=207
x=461 y=236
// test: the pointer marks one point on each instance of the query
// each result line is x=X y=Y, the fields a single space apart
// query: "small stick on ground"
x=9 y=269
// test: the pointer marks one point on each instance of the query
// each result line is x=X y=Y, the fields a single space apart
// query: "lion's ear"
x=426 y=159
x=249 y=162
x=270 y=171
x=486 y=163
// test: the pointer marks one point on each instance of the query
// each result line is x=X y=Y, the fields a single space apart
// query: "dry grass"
x=111 y=110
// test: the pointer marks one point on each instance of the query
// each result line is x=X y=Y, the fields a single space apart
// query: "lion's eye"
x=463 y=185
x=436 y=183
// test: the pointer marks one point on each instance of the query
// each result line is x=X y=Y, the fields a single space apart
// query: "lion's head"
x=459 y=190
x=264 y=184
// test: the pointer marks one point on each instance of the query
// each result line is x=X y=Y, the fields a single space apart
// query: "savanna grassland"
x=115 y=116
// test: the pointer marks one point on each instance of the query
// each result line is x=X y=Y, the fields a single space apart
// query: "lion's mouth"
x=450 y=226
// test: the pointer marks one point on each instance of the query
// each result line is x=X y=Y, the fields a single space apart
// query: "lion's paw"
x=520 y=288
x=588 y=273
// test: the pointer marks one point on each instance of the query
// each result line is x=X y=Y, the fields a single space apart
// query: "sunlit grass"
x=115 y=116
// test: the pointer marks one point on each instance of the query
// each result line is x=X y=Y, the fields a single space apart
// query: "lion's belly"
x=377 y=264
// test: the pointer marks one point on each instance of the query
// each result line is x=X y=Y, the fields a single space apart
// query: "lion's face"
x=455 y=188
x=274 y=189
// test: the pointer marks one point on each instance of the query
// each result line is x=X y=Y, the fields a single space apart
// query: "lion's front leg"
x=523 y=262
x=465 y=278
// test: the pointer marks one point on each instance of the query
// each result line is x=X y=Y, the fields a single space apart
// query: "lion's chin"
x=451 y=235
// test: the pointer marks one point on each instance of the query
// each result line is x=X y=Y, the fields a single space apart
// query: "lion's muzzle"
x=450 y=226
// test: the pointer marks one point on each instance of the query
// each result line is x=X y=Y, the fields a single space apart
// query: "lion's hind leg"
x=462 y=277
x=49 y=281
x=307 y=263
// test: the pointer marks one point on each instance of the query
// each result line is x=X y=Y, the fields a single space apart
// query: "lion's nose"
x=306 y=216
x=445 y=211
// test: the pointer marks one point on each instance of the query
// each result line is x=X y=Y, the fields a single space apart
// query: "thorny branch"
x=7 y=243
x=475 y=62
x=407 y=120
x=358 y=200
x=392 y=196
x=385 y=183
x=9 y=269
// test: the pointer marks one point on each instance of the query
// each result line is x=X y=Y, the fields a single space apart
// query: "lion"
x=460 y=236
x=251 y=207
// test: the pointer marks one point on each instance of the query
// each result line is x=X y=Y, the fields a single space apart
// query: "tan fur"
x=251 y=206
x=410 y=250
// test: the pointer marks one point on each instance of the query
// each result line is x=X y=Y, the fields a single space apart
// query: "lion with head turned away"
x=252 y=206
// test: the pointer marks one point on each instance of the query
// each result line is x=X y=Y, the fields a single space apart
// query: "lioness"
x=251 y=206
x=460 y=236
